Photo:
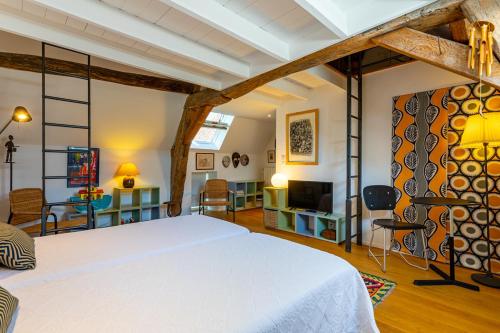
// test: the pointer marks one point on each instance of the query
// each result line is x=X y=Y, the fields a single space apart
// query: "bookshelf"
x=248 y=194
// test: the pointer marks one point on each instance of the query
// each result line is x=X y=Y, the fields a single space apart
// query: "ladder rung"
x=355 y=97
x=64 y=151
x=65 y=177
x=68 y=100
x=354 y=216
x=355 y=117
x=354 y=156
x=75 y=76
x=356 y=176
x=66 y=125
x=354 y=137
x=67 y=203
x=354 y=196
x=65 y=48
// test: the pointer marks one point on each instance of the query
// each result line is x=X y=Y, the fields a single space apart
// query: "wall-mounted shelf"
x=248 y=194
x=277 y=215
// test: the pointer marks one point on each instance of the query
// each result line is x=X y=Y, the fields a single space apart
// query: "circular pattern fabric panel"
x=493 y=103
x=470 y=260
x=459 y=93
x=471 y=106
x=471 y=168
x=458 y=122
x=471 y=230
x=459 y=153
x=483 y=90
x=460 y=183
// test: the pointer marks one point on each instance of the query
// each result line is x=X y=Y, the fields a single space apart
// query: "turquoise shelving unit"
x=277 y=215
x=248 y=194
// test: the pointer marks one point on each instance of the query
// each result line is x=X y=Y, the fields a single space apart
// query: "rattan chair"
x=26 y=206
x=216 y=194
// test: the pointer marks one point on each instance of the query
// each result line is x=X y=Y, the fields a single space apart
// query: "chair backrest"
x=216 y=189
x=379 y=197
x=23 y=202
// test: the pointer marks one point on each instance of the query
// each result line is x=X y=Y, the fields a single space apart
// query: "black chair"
x=381 y=197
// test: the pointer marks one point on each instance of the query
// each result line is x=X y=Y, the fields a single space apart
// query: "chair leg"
x=424 y=243
x=385 y=251
x=375 y=256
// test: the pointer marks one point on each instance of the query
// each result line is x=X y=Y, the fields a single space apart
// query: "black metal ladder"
x=353 y=179
x=46 y=71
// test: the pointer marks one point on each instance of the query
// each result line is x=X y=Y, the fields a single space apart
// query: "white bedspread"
x=67 y=254
x=244 y=283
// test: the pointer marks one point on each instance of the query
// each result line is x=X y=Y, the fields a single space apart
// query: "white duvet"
x=240 y=283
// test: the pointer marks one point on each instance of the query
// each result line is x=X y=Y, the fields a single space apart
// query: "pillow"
x=17 y=248
x=8 y=306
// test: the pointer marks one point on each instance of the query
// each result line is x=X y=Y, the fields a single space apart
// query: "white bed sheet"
x=246 y=283
x=72 y=253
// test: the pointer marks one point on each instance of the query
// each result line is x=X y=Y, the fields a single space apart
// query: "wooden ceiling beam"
x=436 y=51
x=200 y=104
x=32 y=63
x=459 y=31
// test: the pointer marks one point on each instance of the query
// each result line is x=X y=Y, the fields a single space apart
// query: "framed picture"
x=204 y=161
x=302 y=137
x=77 y=166
x=271 y=156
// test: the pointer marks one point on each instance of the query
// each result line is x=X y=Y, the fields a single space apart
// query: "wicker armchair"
x=216 y=194
x=26 y=206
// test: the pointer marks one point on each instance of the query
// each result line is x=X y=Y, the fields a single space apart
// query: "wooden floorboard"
x=409 y=308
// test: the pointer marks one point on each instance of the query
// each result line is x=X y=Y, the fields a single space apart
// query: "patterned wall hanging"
x=466 y=179
x=420 y=147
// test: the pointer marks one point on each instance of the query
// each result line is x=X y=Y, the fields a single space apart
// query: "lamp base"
x=128 y=182
x=487 y=279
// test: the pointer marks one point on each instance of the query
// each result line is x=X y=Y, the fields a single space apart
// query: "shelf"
x=148 y=206
x=286 y=221
x=305 y=224
x=129 y=208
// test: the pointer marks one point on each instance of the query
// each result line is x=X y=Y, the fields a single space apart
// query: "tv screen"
x=309 y=195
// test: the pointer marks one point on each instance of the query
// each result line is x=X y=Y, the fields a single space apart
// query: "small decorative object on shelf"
x=236 y=159
x=205 y=161
x=128 y=171
x=131 y=220
x=122 y=221
x=244 y=160
x=226 y=161
x=330 y=234
x=95 y=193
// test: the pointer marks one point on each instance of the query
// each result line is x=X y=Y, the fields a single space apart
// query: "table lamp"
x=483 y=131
x=279 y=180
x=128 y=171
x=20 y=115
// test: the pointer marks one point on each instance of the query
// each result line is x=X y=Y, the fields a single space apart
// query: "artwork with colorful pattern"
x=420 y=149
x=466 y=179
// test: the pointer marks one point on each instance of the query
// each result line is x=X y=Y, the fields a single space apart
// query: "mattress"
x=243 y=283
x=71 y=253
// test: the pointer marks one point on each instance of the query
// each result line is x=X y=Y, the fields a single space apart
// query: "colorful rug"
x=378 y=288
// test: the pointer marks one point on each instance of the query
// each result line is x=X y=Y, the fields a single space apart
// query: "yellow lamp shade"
x=128 y=169
x=480 y=130
x=21 y=115
x=279 y=180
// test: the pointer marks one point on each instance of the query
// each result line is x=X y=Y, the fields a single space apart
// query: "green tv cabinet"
x=278 y=215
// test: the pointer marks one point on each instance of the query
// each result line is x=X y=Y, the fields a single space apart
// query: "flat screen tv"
x=313 y=196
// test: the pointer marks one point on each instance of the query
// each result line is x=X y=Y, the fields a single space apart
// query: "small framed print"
x=205 y=161
x=302 y=137
x=271 y=156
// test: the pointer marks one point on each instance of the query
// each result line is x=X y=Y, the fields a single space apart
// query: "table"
x=447 y=280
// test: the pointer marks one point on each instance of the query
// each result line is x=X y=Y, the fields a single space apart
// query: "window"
x=213 y=132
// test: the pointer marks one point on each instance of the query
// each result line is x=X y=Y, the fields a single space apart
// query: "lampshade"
x=482 y=129
x=128 y=169
x=279 y=180
x=21 y=115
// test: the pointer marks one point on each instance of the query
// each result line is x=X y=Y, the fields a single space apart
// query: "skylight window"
x=213 y=132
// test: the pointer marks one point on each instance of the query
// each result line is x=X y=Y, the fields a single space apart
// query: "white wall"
x=378 y=89
x=331 y=102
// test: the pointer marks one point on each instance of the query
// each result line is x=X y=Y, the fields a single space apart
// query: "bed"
x=220 y=279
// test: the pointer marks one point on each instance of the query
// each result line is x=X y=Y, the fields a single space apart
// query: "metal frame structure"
x=90 y=216
x=354 y=157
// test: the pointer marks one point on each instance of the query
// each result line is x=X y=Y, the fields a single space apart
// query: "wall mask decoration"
x=226 y=161
x=205 y=161
x=236 y=159
x=420 y=148
x=302 y=137
x=244 y=159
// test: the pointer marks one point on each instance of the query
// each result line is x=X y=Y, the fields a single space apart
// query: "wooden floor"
x=409 y=308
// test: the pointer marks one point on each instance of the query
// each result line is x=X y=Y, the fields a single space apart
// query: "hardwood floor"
x=409 y=308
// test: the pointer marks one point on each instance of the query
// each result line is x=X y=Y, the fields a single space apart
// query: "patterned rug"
x=378 y=288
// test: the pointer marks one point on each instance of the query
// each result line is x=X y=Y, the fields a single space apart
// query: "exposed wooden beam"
x=436 y=51
x=328 y=14
x=127 y=25
x=460 y=31
x=436 y=14
x=227 y=21
x=31 y=63
x=485 y=10
x=21 y=24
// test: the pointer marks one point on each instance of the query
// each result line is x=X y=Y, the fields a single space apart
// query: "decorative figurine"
x=11 y=148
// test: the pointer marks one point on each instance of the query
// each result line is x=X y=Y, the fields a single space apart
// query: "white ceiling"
x=214 y=43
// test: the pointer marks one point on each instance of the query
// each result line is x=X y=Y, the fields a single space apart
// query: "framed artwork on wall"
x=302 y=137
x=205 y=161
x=271 y=156
x=77 y=166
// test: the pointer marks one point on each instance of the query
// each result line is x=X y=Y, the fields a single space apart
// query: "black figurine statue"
x=11 y=148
